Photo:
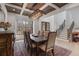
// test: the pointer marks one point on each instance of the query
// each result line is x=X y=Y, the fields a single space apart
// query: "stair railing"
x=61 y=27
x=69 y=30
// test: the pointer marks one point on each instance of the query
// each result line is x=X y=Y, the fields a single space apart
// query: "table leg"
x=36 y=49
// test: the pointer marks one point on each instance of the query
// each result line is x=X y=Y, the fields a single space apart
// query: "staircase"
x=62 y=31
x=63 y=34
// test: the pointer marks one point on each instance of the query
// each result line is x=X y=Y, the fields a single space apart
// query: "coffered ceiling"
x=34 y=6
x=28 y=8
x=48 y=9
x=13 y=10
x=17 y=4
x=27 y=13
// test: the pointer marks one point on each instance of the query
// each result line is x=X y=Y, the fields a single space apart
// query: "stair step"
x=63 y=34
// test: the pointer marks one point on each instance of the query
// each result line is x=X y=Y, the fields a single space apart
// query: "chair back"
x=40 y=33
x=45 y=33
x=51 y=39
x=25 y=38
x=28 y=39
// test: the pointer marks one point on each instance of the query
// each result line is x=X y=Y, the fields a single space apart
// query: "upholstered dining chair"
x=40 y=33
x=31 y=44
x=13 y=39
x=49 y=45
x=45 y=33
x=25 y=39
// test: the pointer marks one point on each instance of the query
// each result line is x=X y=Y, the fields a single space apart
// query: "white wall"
x=69 y=19
x=50 y=20
x=35 y=26
x=1 y=16
x=1 y=19
x=4 y=10
x=74 y=15
x=52 y=24
x=59 y=18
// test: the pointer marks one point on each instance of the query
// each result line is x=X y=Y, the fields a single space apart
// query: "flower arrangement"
x=5 y=25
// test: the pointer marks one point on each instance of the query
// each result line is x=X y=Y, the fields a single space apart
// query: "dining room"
x=39 y=29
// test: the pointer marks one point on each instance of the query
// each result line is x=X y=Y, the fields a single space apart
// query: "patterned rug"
x=20 y=50
x=59 y=51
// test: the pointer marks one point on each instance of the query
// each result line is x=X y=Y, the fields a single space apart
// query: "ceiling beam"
x=24 y=6
x=53 y=5
x=43 y=7
x=4 y=11
x=14 y=6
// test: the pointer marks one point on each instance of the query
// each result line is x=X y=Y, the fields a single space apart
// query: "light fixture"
x=37 y=14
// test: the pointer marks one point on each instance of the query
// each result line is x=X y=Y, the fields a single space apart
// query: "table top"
x=38 y=38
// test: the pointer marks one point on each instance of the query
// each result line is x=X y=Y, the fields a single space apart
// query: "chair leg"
x=46 y=53
x=36 y=51
x=31 y=52
x=53 y=52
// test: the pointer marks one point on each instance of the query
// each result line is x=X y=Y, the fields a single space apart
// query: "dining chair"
x=40 y=33
x=3 y=46
x=25 y=39
x=13 y=39
x=49 y=45
x=45 y=33
x=31 y=44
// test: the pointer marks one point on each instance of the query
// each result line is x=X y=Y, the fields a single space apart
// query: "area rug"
x=60 y=51
x=20 y=50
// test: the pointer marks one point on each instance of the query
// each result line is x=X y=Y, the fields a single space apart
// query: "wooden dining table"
x=38 y=40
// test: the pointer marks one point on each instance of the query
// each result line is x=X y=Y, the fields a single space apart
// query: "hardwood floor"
x=21 y=50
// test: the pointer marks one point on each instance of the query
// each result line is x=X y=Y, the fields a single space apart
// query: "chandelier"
x=36 y=14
